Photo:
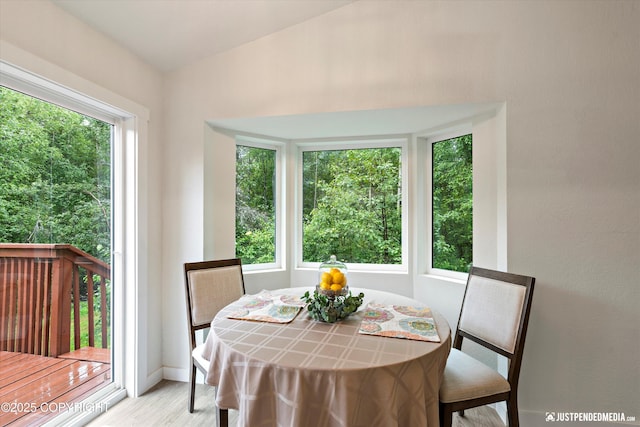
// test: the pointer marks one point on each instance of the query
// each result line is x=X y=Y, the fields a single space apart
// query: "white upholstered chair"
x=495 y=313
x=210 y=286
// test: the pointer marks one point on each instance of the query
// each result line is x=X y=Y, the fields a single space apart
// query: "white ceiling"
x=169 y=34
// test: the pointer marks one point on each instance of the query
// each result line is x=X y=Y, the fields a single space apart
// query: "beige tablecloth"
x=308 y=373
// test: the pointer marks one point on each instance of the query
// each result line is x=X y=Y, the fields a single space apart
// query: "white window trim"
x=280 y=202
x=401 y=142
x=428 y=187
x=38 y=87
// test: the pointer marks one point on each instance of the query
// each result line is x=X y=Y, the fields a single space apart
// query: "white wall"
x=568 y=74
x=39 y=37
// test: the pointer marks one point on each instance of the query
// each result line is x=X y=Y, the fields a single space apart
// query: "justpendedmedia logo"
x=587 y=417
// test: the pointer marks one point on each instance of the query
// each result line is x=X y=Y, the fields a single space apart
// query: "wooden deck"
x=35 y=389
x=41 y=289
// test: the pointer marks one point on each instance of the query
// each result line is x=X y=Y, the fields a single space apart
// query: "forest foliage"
x=452 y=200
x=352 y=205
x=255 y=204
x=55 y=175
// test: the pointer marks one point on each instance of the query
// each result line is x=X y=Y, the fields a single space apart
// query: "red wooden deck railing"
x=39 y=285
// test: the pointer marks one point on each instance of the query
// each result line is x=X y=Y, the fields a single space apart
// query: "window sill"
x=261 y=270
x=442 y=278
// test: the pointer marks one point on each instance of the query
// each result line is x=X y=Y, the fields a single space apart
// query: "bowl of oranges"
x=331 y=301
x=332 y=278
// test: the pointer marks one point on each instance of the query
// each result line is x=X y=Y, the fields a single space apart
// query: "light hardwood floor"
x=166 y=405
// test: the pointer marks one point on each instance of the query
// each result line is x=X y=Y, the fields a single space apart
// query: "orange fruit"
x=326 y=278
x=336 y=288
x=337 y=278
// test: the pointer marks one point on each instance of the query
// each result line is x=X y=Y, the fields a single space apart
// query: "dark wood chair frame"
x=515 y=359
x=222 y=415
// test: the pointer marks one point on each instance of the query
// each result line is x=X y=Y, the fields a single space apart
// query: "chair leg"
x=446 y=416
x=222 y=417
x=461 y=413
x=512 y=411
x=192 y=389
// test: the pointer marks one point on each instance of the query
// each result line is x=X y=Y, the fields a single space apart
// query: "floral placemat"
x=265 y=307
x=399 y=321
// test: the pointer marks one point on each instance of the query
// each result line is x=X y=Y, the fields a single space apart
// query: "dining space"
x=314 y=373
x=271 y=359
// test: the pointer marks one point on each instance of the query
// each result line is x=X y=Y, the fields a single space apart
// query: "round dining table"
x=309 y=373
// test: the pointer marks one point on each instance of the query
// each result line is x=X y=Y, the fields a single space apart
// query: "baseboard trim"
x=175 y=374
x=182 y=375
x=152 y=379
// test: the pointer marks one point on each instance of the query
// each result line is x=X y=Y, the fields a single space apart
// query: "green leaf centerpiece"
x=331 y=308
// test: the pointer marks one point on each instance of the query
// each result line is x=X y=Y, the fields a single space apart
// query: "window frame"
x=279 y=202
x=401 y=142
x=428 y=187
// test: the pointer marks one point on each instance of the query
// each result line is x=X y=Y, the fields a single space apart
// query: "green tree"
x=352 y=205
x=453 y=204
x=255 y=204
x=55 y=174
